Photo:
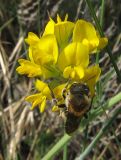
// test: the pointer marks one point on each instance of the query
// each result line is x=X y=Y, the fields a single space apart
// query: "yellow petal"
x=58 y=91
x=67 y=72
x=102 y=43
x=46 y=51
x=66 y=17
x=40 y=85
x=49 y=29
x=73 y=74
x=29 y=68
x=36 y=103
x=63 y=32
x=35 y=99
x=76 y=73
x=32 y=39
x=84 y=30
x=92 y=75
x=43 y=104
x=91 y=44
x=43 y=88
x=30 y=55
x=55 y=109
x=58 y=18
x=79 y=71
x=74 y=54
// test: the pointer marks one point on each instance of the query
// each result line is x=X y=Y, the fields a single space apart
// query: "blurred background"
x=29 y=135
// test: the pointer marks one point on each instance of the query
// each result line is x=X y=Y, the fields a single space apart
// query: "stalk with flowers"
x=59 y=57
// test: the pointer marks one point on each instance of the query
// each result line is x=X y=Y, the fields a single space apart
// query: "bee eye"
x=86 y=90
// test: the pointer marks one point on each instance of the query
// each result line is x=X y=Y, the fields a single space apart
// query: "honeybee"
x=77 y=104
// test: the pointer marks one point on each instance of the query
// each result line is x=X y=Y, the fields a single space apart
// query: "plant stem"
x=101 y=24
x=65 y=152
x=102 y=13
x=58 y=146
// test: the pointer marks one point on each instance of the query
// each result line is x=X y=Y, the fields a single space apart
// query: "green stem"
x=58 y=146
x=100 y=134
x=102 y=13
x=65 y=152
x=101 y=24
x=108 y=50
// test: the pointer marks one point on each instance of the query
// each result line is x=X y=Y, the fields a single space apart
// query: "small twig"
x=4 y=123
x=17 y=47
x=21 y=124
x=36 y=136
x=102 y=153
x=16 y=137
x=14 y=63
x=5 y=69
x=78 y=9
x=55 y=8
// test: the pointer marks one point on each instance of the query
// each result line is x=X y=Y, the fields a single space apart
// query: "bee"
x=77 y=103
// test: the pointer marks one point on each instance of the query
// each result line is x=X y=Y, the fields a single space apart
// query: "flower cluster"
x=60 y=55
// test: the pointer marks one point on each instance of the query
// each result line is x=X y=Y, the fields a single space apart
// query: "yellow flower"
x=91 y=76
x=62 y=30
x=29 y=68
x=43 y=88
x=40 y=99
x=85 y=32
x=73 y=60
x=43 y=54
x=42 y=50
